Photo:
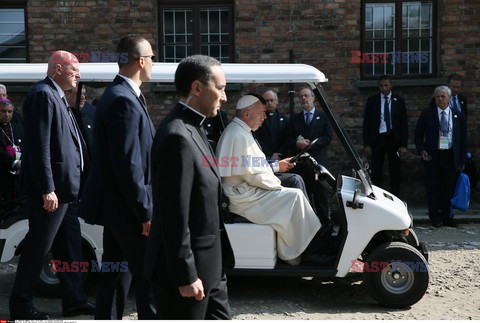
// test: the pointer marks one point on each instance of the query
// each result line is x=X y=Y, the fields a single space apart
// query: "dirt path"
x=454 y=291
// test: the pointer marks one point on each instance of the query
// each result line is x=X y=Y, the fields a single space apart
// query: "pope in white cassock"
x=255 y=192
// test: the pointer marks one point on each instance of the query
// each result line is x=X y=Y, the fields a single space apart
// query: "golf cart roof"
x=235 y=73
x=164 y=73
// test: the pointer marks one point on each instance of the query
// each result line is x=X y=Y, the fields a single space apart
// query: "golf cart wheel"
x=402 y=276
x=48 y=281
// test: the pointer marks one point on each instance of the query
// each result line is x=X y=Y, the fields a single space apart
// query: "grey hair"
x=3 y=87
x=443 y=88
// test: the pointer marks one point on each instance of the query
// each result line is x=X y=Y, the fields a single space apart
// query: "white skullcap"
x=246 y=101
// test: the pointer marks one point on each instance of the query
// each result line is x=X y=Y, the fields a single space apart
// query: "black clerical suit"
x=319 y=127
x=188 y=239
x=442 y=171
x=214 y=127
x=51 y=162
x=11 y=134
x=273 y=133
x=387 y=142
x=87 y=114
x=118 y=195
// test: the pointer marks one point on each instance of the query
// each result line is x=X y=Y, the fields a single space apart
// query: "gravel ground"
x=453 y=293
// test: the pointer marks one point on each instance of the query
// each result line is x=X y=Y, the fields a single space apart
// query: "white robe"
x=256 y=194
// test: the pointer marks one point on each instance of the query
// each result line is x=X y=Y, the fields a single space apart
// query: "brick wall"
x=321 y=33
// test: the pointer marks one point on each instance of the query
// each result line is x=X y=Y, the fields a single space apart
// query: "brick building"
x=437 y=37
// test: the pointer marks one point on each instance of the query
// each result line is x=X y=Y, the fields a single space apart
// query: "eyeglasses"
x=151 y=56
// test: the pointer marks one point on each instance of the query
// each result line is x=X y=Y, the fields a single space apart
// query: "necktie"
x=386 y=114
x=454 y=103
x=308 y=118
x=142 y=98
x=77 y=135
x=443 y=124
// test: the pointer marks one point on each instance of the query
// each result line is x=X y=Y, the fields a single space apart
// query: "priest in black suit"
x=273 y=133
x=188 y=246
x=11 y=143
x=385 y=132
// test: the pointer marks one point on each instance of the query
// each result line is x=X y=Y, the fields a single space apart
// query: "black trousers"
x=172 y=306
x=119 y=246
x=59 y=232
x=293 y=181
x=385 y=145
x=441 y=177
x=317 y=192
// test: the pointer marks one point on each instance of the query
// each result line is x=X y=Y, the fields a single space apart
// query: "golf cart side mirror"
x=354 y=203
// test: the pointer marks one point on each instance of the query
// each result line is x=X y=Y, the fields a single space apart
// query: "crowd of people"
x=109 y=165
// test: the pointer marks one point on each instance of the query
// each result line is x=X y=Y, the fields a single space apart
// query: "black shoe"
x=450 y=223
x=29 y=314
x=85 y=308
x=436 y=224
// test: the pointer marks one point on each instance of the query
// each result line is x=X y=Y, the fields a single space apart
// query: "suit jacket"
x=118 y=191
x=463 y=104
x=319 y=128
x=51 y=158
x=187 y=239
x=87 y=114
x=273 y=134
x=427 y=135
x=371 y=120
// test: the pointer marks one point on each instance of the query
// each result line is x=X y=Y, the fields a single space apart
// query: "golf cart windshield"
x=235 y=73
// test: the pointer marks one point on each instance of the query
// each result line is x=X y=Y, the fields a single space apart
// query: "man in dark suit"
x=11 y=144
x=441 y=141
x=86 y=113
x=118 y=191
x=457 y=100
x=272 y=135
x=304 y=127
x=52 y=165
x=188 y=246
x=385 y=132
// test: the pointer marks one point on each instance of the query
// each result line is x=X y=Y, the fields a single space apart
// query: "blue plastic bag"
x=461 y=197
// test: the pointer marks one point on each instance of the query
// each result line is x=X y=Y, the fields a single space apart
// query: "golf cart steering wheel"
x=304 y=150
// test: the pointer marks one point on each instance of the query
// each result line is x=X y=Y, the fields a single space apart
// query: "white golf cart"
x=373 y=227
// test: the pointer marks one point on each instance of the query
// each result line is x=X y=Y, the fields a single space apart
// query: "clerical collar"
x=196 y=112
